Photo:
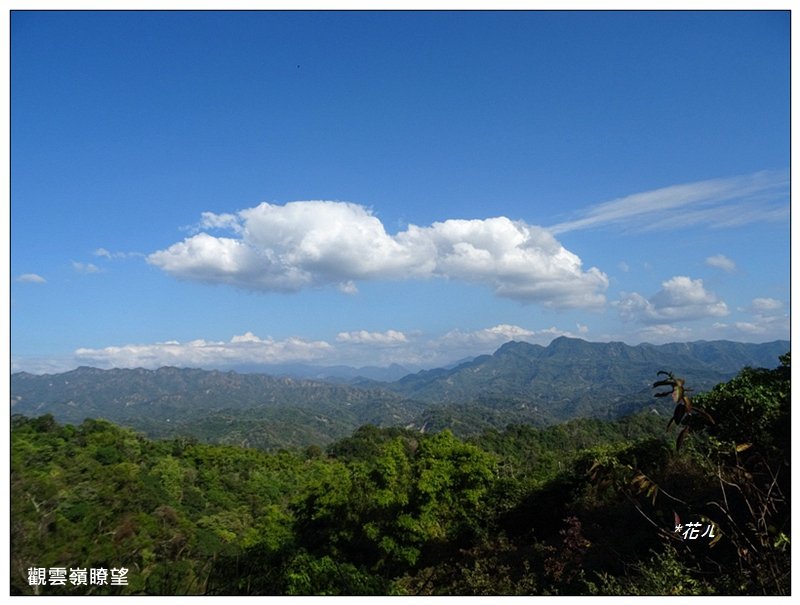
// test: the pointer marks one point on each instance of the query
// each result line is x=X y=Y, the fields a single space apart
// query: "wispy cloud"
x=245 y=348
x=85 y=267
x=726 y=202
x=765 y=306
x=768 y=318
x=390 y=337
x=31 y=278
x=319 y=243
x=720 y=261
x=103 y=253
x=662 y=333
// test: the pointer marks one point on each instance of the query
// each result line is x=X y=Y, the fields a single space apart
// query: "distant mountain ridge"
x=572 y=377
x=597 y=362
x=262 y=410
x=336 y=373
x=519 y=382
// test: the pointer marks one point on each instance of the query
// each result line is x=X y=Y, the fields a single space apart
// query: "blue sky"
x=216 y=188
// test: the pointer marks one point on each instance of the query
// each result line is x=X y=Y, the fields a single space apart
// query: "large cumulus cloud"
x=319 y=243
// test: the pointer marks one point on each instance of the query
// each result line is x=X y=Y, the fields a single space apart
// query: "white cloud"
x=720 y=261
x=763 y=320
x=765 y=305
x=246 y=337
x=246 y=348
x=427 y=351
x=680 y=299
x=483 y=340
x=85 y=267
x=102 y=252
x=749 y=327
x=209 y=220
x=495 y=335
x=768 y=319
x=663 y=333
x=507 y=332
x=390 y=337
x=318 y=243
x=419 y=350
x=355 y=348
x=347 y=287
x=519 y=261
x=727 y=202
x=42 y=365
x=31 y=278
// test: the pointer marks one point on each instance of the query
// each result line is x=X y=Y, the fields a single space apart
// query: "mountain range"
x=518 y=383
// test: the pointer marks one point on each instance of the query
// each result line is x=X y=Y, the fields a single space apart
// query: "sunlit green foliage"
x=754 y=406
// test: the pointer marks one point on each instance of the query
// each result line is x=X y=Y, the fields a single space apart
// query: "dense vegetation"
x=249 y=410
x=586 y=507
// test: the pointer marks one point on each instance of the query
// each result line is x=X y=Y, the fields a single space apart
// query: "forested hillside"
x=589 y=507
x=520 y=383
x=249 y=410
x=573 y=378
